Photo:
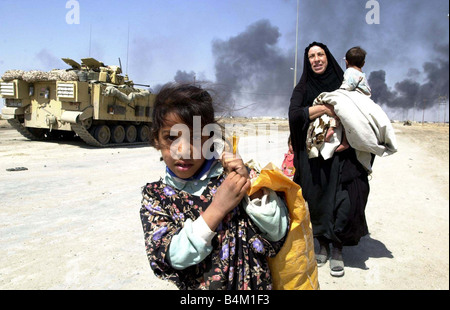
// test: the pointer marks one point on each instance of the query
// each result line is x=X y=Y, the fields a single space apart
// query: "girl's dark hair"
x=356 y=56
x=186 y=101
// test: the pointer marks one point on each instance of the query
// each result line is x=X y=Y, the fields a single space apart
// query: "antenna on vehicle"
x=90 y=39
x=128 y=45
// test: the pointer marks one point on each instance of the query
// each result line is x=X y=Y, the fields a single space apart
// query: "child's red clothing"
x=288 y=165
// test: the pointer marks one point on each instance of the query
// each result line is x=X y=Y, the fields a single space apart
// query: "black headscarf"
x=312 y=84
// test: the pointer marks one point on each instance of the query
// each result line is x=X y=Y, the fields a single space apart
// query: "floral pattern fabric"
x=238 y=260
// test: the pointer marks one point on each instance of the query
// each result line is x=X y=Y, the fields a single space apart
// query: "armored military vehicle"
x=89 y=100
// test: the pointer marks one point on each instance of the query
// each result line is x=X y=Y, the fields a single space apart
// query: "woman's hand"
x=227 y=197
x=321 y=109
x=329 y=110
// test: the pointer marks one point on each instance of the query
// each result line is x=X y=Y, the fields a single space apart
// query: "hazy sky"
x=247 y=47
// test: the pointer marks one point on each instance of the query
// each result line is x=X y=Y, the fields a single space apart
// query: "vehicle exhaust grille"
x=7 y=89
x=66 y=90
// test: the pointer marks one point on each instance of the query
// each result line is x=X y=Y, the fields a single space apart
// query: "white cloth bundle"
x=367 y=127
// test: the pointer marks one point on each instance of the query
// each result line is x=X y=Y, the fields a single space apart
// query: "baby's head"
x=179 y=116
x=355 y=57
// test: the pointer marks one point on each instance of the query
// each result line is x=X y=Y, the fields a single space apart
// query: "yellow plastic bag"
x=294 y=267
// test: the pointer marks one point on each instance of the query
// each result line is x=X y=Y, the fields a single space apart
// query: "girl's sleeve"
x=191 y=245
x=270 y=215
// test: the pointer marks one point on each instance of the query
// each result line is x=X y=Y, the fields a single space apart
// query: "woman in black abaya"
x=336 y=189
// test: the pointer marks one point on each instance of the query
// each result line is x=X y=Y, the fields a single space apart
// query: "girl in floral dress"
x=201 y=229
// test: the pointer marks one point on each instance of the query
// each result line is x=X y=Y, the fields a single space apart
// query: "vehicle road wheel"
x=130 y=133
x=117 y=134
x=102 y=134
x=87 y=123
x=144 y=133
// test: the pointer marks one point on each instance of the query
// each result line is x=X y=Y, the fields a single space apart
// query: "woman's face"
x=178 y=151
x=318 y=59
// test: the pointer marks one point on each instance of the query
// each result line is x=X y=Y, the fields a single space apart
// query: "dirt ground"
x=71 y=220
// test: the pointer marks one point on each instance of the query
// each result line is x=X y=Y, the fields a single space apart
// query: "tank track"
x=17 y=125
x=79 y=129
x=86 y=136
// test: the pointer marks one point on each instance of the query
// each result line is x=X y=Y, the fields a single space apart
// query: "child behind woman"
x=287 y=166
x=201 y=230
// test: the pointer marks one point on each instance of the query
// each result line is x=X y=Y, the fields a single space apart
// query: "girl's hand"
x=227 y=197
x=231 y=162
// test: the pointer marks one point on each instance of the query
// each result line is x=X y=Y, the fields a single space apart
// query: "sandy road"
x=408 y=219
x=71 y=221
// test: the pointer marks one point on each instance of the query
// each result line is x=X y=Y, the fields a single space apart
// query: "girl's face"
x=178 y=151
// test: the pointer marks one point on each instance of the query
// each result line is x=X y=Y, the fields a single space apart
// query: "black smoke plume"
x=255 y=76
x=410 y=93
x=252 y=72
